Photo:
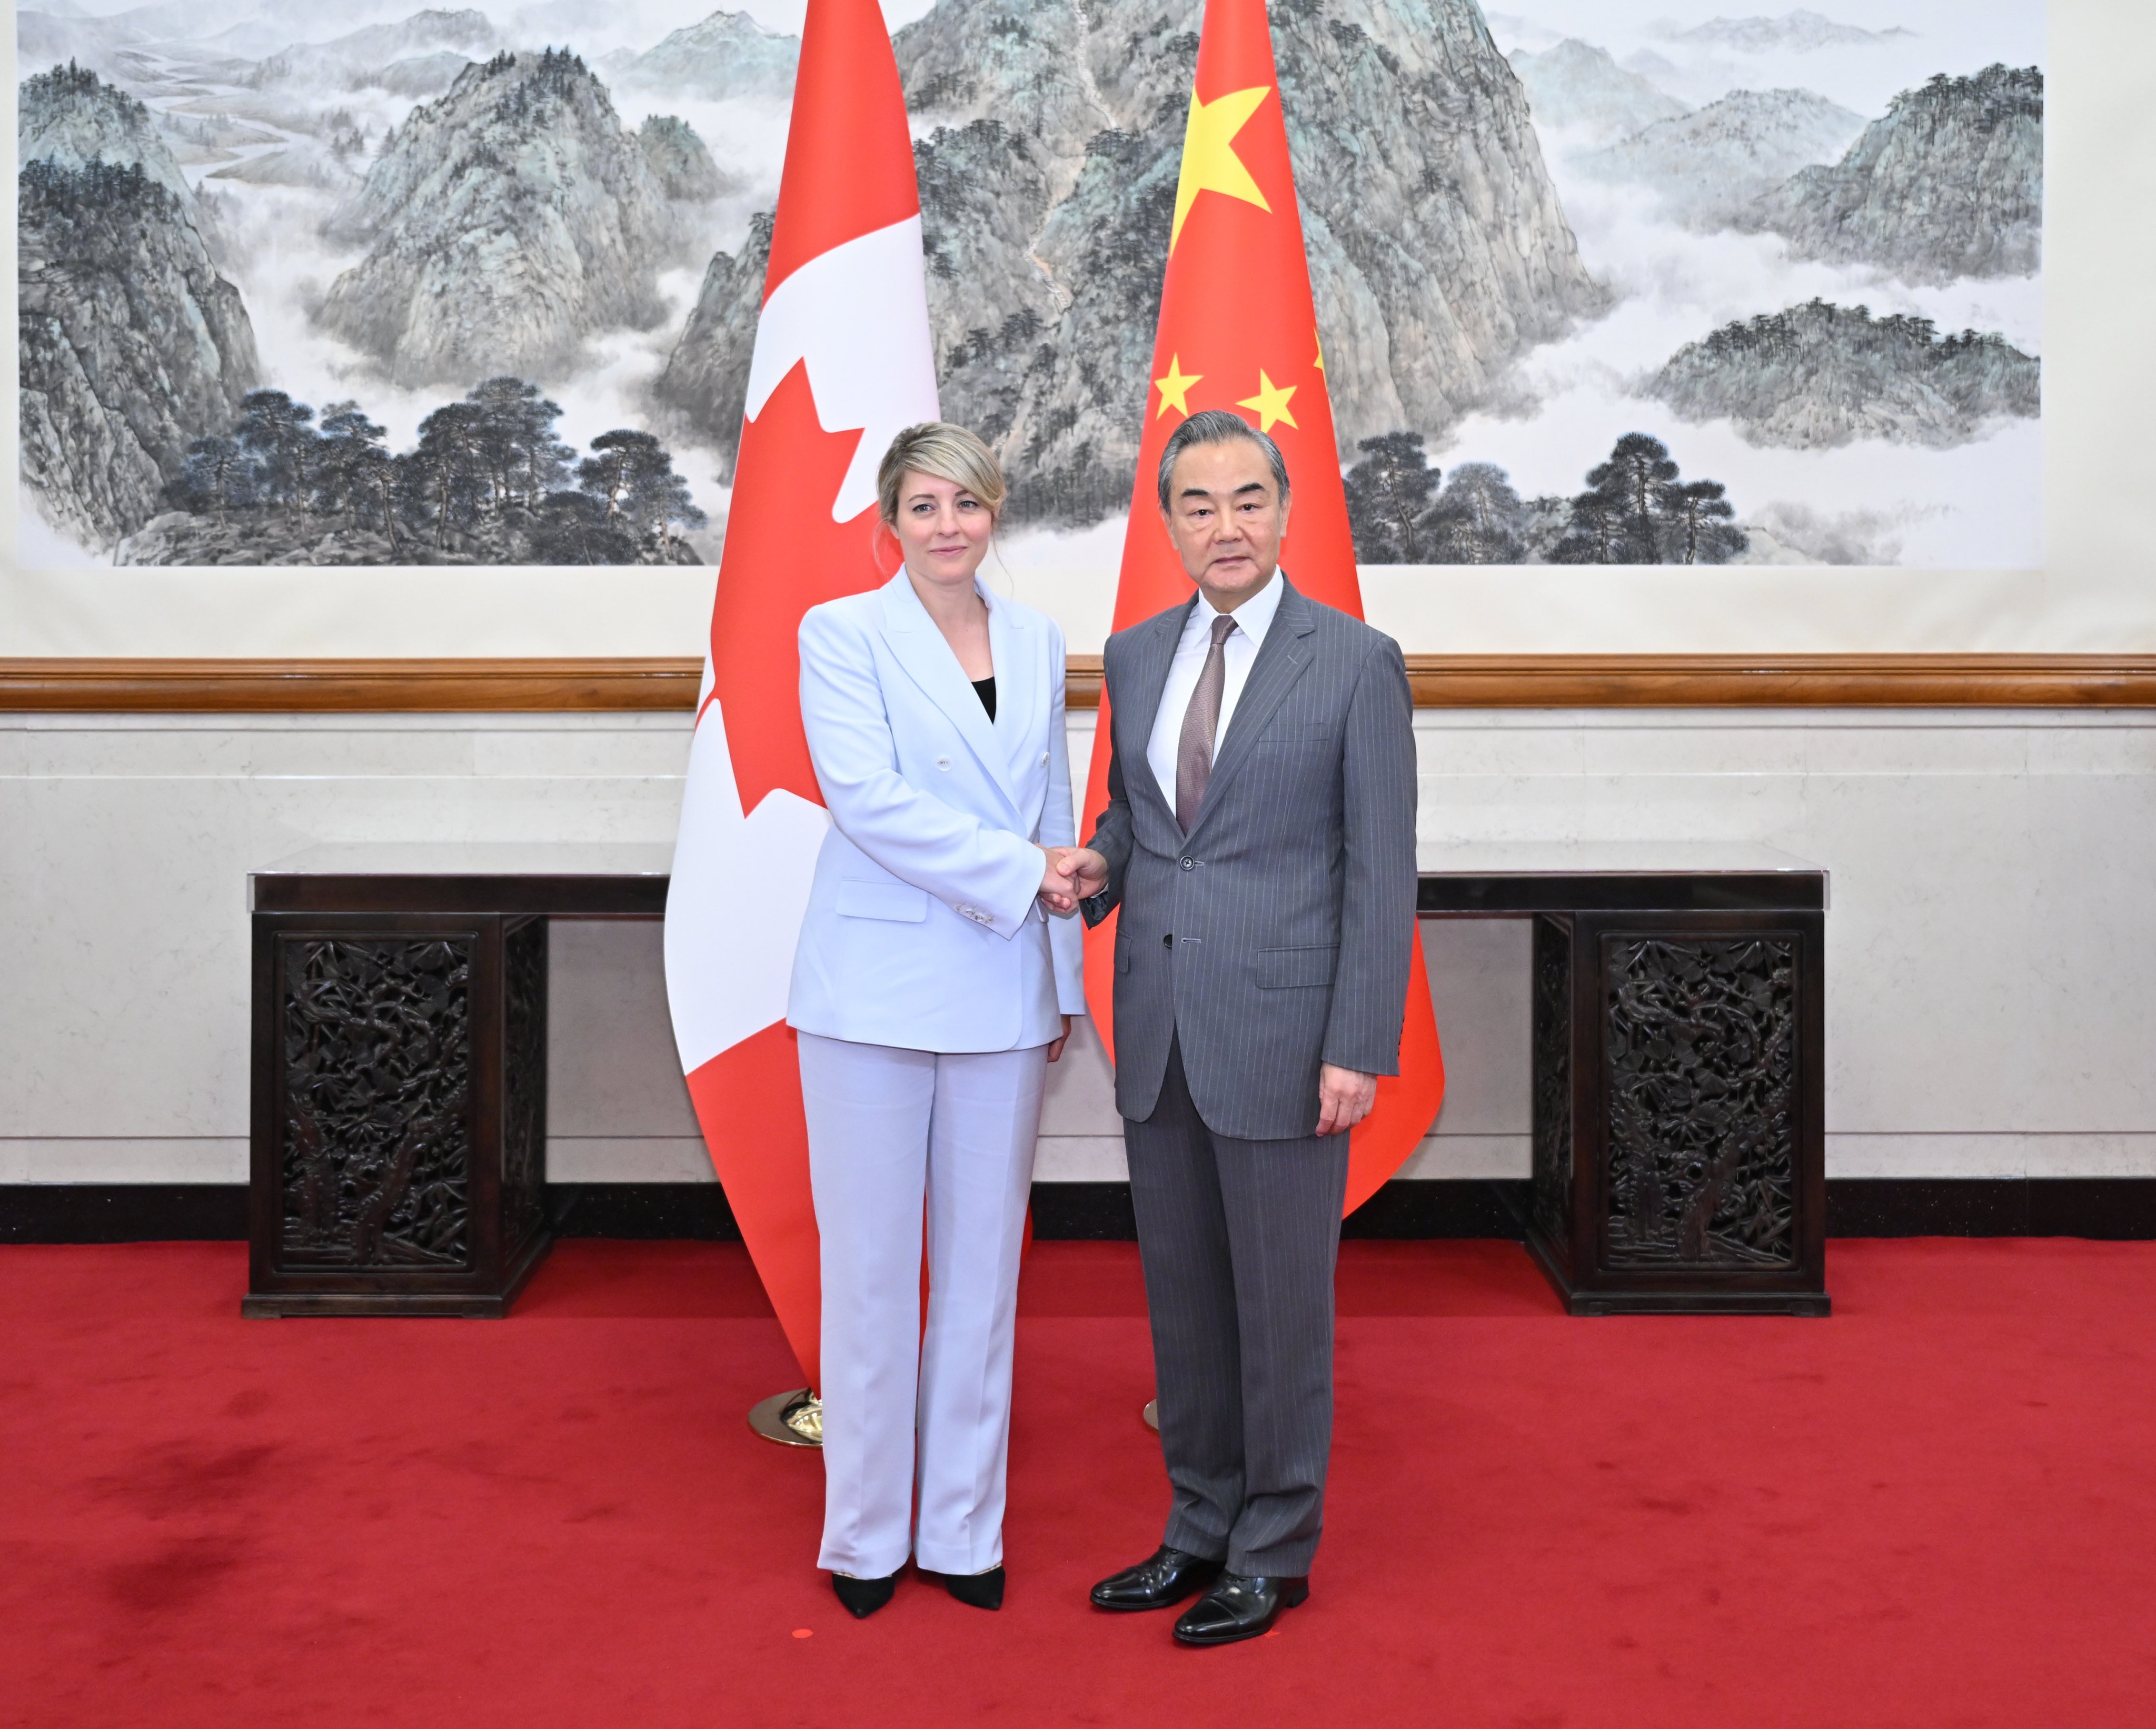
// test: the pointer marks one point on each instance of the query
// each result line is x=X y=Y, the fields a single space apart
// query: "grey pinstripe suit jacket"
x=1275 y=936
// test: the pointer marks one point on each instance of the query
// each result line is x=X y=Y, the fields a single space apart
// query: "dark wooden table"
x=1680 y=1075
x=399 y=1106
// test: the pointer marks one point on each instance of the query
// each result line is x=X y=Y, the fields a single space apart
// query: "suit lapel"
x=1016 y=651
x=919 y=647
x=1281 y=662
x=1153 y=654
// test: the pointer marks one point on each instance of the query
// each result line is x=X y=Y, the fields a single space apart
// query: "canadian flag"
x=843 y=360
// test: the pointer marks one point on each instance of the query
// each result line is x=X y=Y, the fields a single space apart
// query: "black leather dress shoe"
x=981 y=1590
x=1162 y=1579
x=863 y=1598
x=1238 y=1608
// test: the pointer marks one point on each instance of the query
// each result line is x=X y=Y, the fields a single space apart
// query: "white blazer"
x=922 y=930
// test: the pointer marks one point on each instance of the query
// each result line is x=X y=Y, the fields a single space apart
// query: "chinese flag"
x=1238 y=331
x=843 y=360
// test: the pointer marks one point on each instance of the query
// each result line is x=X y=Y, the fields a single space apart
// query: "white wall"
x=1991 y=949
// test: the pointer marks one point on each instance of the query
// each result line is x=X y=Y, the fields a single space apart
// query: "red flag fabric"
x=843 y=360
x=1238 y=331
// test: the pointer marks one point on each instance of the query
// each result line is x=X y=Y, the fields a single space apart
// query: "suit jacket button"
x=942 y=761
x=1044 y=759
x=1187 y=864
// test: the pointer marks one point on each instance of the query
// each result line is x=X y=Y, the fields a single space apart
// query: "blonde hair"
x=947 y=452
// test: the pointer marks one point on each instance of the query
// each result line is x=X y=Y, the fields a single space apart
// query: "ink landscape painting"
x=1598 y=283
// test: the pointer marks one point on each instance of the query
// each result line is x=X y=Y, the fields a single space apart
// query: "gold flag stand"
x=796 y=1419
x=793 y=1420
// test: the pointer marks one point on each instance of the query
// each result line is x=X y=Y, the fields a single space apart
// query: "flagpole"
x=1237 y=329
x=843 y=359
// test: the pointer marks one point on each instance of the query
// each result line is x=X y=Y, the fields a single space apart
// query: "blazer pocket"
x=900 y=901
x=1298 y=732
x=1288 y=969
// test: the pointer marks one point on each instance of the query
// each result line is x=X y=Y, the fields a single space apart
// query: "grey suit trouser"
x=1239 y=1239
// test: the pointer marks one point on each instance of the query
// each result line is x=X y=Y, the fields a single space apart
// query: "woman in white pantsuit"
x=930 y=992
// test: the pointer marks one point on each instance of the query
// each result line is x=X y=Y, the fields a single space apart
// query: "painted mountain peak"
x=129 y=339
x=728 y=53
x=358 y=58
x=1794 y=32
x=507 y=223
x=1949 y=183
x=1709 y=166
x=70 y=117
x=1817 y=375
x=1577 y=86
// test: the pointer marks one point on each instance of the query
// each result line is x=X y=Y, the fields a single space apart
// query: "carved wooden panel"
x=1553 y=1081
x=524 y=1079
x=1700 y=1068
x=375 y=1084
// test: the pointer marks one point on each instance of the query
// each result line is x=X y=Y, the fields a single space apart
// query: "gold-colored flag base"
x=793 y=1420
x=1152 y=1415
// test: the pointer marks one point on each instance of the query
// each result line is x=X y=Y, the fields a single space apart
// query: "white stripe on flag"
x=734 y=911
x=859 y=316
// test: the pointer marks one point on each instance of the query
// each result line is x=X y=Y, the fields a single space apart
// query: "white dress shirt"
x=1253 y=619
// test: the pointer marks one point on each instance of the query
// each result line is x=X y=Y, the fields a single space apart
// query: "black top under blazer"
x=1276 y=935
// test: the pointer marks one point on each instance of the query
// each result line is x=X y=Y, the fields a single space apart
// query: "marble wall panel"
x=612 y=1069
x=1991 y=947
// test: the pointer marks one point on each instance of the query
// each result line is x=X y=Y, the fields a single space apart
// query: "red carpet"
x=1939 y=1507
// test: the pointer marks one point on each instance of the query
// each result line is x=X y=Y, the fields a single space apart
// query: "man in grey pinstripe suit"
x=1259 y=841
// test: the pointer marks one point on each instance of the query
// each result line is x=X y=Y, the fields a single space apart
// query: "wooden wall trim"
x=556 y=685
x=58 y=684
x=1782 y=681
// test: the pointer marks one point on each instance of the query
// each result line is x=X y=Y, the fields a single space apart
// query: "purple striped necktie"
x=1193 y=750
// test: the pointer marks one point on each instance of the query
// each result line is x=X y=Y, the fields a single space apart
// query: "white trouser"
x=888 y=1128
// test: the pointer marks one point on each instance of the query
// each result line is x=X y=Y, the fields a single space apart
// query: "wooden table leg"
x=1679 y=1081
x=399 y=1113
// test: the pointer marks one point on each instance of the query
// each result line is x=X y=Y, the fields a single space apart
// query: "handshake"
x=1070 y=874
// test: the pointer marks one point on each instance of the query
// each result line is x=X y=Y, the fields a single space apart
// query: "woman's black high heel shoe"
x=863 y=1598
x=982 y=1590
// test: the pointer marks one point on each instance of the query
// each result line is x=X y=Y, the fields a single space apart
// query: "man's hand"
x=1089 y=872
x=1056 y=891
x=1344 y=1098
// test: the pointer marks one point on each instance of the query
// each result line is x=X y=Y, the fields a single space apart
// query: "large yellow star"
x=1270 y=402
x=1175 y=388
x=1210 y=161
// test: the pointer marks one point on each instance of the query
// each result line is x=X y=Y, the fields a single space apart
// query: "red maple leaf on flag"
x=843 y=361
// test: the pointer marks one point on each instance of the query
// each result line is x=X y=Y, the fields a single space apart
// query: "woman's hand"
x=1056 y=891
x=1056 y=1045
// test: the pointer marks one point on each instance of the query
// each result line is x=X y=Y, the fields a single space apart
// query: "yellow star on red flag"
x=1270 y=402
x=1210 y=161
x=1175 y=388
